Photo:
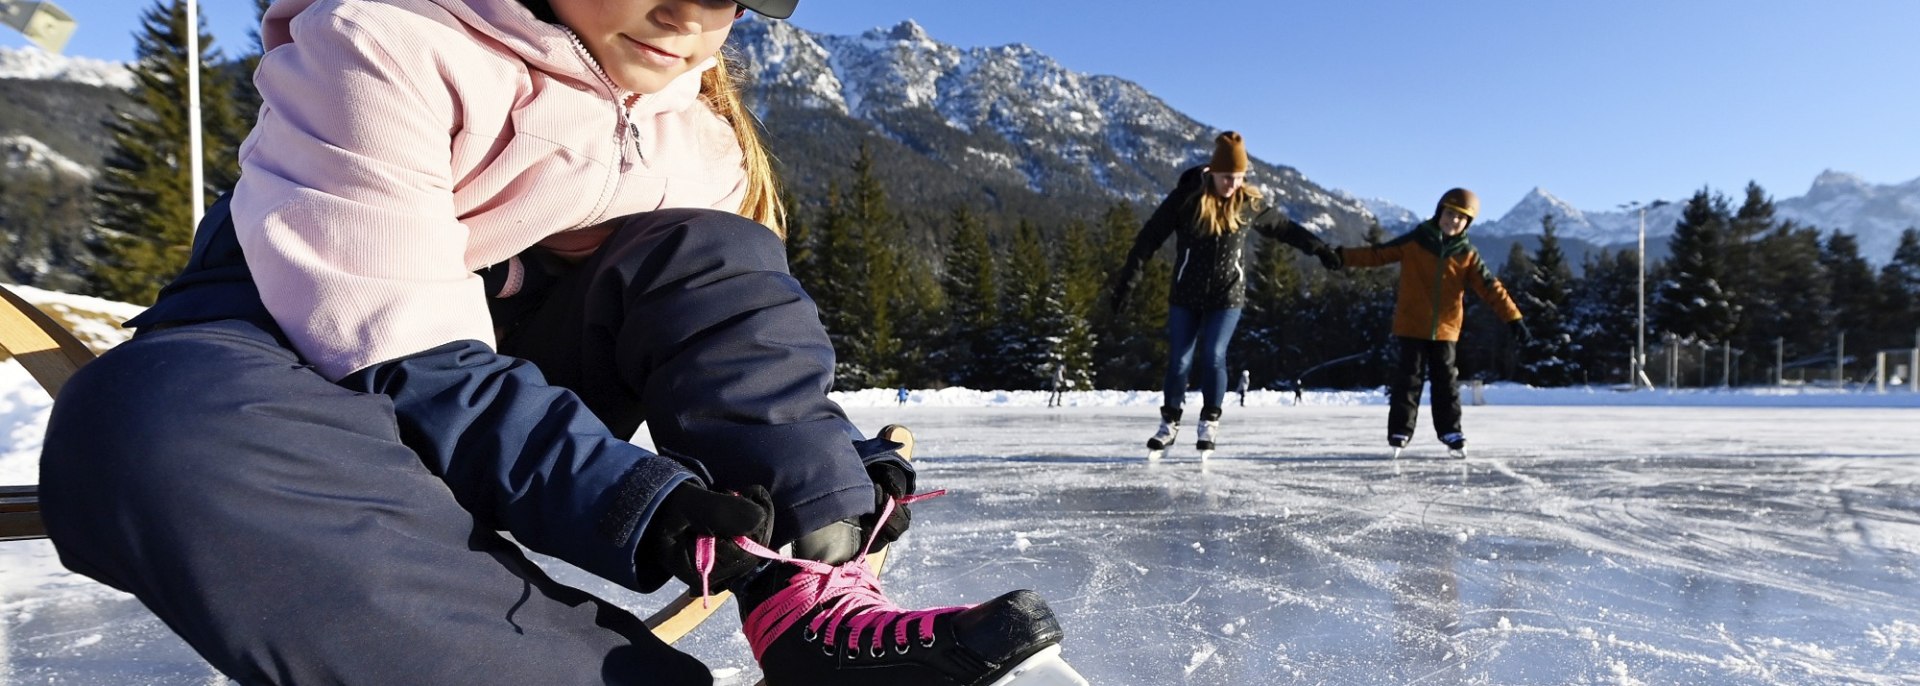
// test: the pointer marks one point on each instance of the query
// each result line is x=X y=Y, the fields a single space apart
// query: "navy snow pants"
x=281 y=525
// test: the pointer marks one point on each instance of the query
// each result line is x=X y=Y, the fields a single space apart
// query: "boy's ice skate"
x=1397 y=442
x=1456 y=445
x=1165 y=435
x=824 y=624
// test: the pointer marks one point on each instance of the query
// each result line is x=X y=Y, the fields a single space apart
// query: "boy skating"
x=1437 y=265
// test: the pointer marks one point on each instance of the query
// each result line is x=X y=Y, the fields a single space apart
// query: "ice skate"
x=1169 y=431
x=813 y=623
x=1456 y=445
x=1209 y=428
x=1397 y=442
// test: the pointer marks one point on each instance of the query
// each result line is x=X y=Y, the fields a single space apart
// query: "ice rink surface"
x=1578 y=545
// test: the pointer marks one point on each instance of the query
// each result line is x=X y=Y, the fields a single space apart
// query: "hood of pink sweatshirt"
x=404 y=144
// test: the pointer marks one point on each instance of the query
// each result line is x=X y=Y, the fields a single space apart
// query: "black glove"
x=1520 y=332
x=1329 y=257
x=1118 y=300
x=690 y=511
x=891 y=479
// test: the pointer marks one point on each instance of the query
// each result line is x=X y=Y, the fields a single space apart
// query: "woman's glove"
x=689 y=512
x=1329 y=257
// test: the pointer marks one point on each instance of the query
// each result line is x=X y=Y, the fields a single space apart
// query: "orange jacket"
x=1434 y=274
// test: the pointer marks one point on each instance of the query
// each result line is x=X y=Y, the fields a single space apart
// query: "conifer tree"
x=1900 y=292
x=1749 y=225
x=1263 y=344
x=1081 y=274
x=1130 y=348
x=1793 y=301
x=144 y=195
x=802 y=251
x=1031 y=317
x=1747 y=278
x=246 y=97
x=1693 y=302
x=1855 y=294
x=1517 y=275
x=1343 y=314
x=839 y=287
x=973 y=303
x=1552 y=358
x=874 y=287
x=1603 y=314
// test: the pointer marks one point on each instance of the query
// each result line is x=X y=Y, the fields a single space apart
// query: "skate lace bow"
x=848 y=596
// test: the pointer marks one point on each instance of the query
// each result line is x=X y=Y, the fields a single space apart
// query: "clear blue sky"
x=1599 y=102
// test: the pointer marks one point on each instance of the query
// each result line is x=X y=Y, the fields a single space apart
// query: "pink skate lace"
x=850 y=593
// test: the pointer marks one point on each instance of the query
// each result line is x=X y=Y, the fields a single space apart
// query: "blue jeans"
x=1209 y=332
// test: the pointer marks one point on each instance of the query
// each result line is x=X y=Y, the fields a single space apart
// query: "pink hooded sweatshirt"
x=404 y=144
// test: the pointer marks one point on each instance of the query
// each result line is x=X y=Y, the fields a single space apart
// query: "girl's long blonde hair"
x=1215 y=215
x=722 y=94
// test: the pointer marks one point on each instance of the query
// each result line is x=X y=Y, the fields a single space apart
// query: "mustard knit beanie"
x=1229 y=155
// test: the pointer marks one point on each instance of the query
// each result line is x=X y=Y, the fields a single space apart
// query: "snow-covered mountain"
x=1009 y=114
x=1605 y=228
x=1844 y=202
x=34 y=63
x=1393 y=217
x=1876 y=214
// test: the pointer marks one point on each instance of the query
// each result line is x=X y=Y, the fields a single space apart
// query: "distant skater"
x=1207 y=211
x=902 y=396
x=1437 y=265
x=1059 y=382
x=1246 y=377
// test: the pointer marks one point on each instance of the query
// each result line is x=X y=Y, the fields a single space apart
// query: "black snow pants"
x=287 y=528
x=1422 y=361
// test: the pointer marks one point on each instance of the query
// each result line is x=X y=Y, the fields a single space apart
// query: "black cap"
x=778 y=9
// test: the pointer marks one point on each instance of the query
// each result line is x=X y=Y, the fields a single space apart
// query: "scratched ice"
x=1596 y=544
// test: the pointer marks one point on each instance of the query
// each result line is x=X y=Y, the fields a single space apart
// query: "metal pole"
x=1840 y=362
x=1673 y=363
x=1880 y=372
x=1913 y=367
x=1704 y=347
x=1640 y=325
x=1779 y=361
x=1727 y=364
x=194 y=150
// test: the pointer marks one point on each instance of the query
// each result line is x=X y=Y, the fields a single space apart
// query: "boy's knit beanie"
x=1229 y=154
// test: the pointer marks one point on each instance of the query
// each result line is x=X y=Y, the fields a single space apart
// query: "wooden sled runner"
x=51 y=355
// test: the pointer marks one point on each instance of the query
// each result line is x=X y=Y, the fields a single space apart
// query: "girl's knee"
x=724 y=236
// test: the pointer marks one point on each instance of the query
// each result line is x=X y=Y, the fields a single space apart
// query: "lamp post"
x=195 y=164
x=40 y=21
x=1639 y=370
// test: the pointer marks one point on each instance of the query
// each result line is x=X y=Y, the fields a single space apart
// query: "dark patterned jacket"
x=1207 y=269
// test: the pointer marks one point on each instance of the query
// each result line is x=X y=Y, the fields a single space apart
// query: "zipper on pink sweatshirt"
x=626 y=129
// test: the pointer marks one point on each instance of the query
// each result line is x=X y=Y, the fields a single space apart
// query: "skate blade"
x=1396 y=453
x=1155 y=455
x=1044 y=668
x=1458 y=454
x=1205 y=455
